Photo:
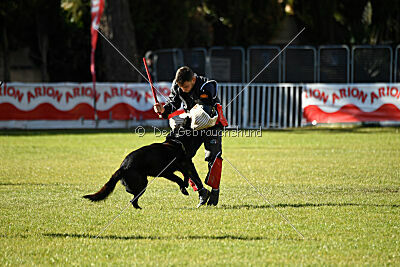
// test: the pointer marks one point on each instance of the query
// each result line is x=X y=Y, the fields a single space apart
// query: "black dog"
x=158 y=160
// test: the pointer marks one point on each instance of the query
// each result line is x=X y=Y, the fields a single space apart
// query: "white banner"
x=45 y=101
x=327 y=103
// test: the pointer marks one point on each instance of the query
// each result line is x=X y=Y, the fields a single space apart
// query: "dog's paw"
x=136 y=205
x=184 y=191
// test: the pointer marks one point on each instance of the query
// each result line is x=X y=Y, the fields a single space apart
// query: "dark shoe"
x=204 y=194
x=214 y=196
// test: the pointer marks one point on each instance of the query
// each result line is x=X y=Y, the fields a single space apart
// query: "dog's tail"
x=107 y=188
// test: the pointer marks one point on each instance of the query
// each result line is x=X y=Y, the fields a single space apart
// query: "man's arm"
x=173 y=103
x=208 y=93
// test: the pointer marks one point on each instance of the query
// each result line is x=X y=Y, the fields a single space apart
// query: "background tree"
x=244 y=23
x=349 y=21
x=57 y=32
x=116 y=24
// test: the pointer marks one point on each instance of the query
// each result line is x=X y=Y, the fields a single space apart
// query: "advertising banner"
x=72 y=101
x=336 y=103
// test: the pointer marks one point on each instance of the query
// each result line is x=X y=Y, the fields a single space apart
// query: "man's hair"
x=183 y=74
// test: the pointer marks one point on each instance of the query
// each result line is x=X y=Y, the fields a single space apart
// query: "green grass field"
x=339 y=187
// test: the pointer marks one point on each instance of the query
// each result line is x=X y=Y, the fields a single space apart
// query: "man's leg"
x=213 y=152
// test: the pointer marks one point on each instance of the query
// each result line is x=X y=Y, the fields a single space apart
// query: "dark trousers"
x=212 y=139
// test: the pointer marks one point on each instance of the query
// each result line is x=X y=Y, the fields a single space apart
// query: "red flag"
x=97 y=7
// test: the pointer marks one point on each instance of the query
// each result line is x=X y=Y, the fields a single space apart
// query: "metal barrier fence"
x=227 y=64
x=300 y=64
x=257 y=58
x=262 y=105
x=165 y=63
x=397 y=65
x=333 y=64
x=297 y=64
x=371 y=64
x=196 y=58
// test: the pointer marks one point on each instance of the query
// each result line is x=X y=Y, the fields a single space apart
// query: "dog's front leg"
x=189 y=172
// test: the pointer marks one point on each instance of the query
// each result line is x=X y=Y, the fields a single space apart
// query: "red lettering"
x=363 y=96
x=165 y=91
x=324 y=97
x=50 y=91
x=30 y=95
x=97 y=96
x=147 y=96
x=76 y=91
x=4 y=90
x=88 y=91
x=68 y=95
x=354 y=92
x=381 y=91
x=114 y=91
x=19 y=95
x=342 y=93
x=373 y=96
x=128 y=92
x=11 y=91
x=106 y=96
x=334 y=97
x=37 y=92
x=58 y=96
x=317 y=94
x=395 y=90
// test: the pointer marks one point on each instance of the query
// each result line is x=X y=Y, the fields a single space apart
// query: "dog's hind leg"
x=174 y=178
x=135 y=184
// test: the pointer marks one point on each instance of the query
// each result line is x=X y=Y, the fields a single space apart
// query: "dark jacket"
x=189 y=100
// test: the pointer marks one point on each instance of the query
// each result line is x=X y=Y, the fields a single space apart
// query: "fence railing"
x=261 y=105
x=257 y=58
x=371 y=63
x=227 y=64
x=300 y=64
x=333 y=64
x=397 y=65
x=297 y=64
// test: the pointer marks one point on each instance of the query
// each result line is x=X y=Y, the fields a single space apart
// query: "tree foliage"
x=349 y=21
x=57 y=32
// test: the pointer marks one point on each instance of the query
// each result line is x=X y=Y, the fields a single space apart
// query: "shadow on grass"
x=359 y=129
x=305 y=205
x=62 y=132
x=190 y=237
x=27 y=184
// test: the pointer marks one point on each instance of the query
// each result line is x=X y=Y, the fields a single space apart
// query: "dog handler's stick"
x=151 y=84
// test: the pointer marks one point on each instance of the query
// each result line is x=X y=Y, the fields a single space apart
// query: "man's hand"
x=158 y=108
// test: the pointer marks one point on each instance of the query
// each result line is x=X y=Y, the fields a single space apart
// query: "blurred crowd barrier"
x=295 y=64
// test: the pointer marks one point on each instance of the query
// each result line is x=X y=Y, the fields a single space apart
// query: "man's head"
x=185 y=79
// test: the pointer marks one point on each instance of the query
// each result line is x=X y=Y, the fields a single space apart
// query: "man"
x=190 y=89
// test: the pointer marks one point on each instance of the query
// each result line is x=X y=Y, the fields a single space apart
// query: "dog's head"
x=186 y=123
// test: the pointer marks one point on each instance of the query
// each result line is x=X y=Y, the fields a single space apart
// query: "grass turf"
x=339 y=187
